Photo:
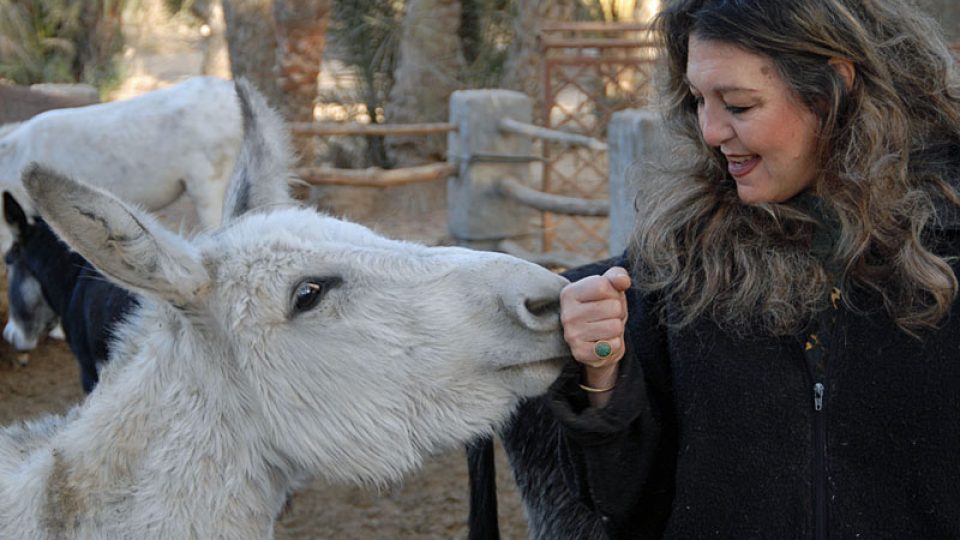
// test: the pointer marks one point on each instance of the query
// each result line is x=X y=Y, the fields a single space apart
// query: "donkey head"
x=353 y=355
x=30 y=316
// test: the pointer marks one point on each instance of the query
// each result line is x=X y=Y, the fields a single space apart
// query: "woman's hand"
x=593 y=310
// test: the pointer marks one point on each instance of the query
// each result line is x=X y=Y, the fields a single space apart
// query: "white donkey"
x=147 y=150
x=285 y=346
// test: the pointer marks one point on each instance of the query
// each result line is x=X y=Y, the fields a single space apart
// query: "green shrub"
x=60 y=40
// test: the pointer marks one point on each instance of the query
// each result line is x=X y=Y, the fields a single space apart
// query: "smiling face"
x=746 y=110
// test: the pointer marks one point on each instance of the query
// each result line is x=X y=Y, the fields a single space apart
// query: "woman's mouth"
x=741 y=166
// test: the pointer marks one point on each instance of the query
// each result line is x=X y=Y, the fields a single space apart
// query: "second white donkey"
x=283 y=347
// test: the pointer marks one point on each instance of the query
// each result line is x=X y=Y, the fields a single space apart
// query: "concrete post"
x=947 y=13
x=636 y=139
x=480 y=217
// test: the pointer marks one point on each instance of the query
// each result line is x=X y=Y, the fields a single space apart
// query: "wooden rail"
x=558 y=204
x=376 y=177
x=593 y=27
x=598 y=43
x=513 y=126
x=328 y=129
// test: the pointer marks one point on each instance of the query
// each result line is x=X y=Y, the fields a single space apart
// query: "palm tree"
x=301 y=27
x=431 y=61
x=278 y=45
x=251 y=42
x=524 y=67
x=60 y=40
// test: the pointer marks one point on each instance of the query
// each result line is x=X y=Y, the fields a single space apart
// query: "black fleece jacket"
x=851 y=430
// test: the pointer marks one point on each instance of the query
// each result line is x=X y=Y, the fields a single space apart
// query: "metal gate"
x=590 y=71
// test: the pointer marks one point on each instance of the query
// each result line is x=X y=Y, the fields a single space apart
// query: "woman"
x=780 y=356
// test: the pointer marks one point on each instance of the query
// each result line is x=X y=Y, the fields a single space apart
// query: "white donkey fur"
x=147 y=150
x=221 y=396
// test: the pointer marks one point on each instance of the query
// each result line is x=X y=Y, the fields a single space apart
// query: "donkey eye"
x=309 y=292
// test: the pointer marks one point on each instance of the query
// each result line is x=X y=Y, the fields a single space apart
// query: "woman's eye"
x=308 y=293
x=737 y=110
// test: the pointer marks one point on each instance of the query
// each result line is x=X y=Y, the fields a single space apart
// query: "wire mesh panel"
x=591 y=70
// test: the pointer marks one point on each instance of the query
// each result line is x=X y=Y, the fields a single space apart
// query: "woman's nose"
x=714 y=128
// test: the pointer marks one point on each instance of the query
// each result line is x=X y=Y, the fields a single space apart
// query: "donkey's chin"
x=533 y=378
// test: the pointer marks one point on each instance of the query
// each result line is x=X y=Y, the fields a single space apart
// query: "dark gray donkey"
x=47 y=282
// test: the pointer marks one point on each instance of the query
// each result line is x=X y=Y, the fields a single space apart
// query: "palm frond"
x=59 y=40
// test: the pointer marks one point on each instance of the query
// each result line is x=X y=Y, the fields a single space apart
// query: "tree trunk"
x=428 y=70
x=471 y=29
x=431 y=60
x=252 y=43
x=301 y=35
x=523 y=71
x=278 y=45
x=104 y=39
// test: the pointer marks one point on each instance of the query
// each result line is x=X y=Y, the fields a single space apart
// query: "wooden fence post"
x=479 y=216
x=636 y=140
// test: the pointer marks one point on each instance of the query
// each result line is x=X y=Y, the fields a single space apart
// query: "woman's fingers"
x=594 y=313
x=598 y=310
x=618 y=277
x=609 y=286
x=593 y=331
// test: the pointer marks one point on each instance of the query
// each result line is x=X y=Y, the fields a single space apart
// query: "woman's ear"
x=846 y=70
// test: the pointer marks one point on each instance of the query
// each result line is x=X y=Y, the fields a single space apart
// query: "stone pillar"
x=478 y=216
x=635 y=139
x=947 y=12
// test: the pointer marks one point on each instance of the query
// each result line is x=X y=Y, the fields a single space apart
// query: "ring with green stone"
x=602 y=349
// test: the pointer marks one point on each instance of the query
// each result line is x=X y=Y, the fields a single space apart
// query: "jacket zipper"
x=817 y=366
x=819 y=462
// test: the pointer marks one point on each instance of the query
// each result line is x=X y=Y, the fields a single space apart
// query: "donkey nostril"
x=541 y=307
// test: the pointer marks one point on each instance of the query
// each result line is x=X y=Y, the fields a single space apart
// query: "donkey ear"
x=14 y=215
x=260 y=177
x=123 y=243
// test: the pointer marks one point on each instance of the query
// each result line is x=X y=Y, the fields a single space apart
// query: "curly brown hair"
x=888 y=154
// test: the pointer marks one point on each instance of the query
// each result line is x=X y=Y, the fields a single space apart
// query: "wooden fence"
x=490 y=140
